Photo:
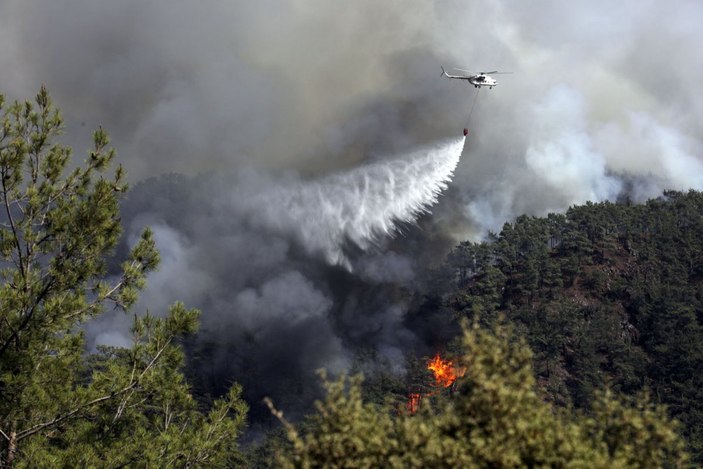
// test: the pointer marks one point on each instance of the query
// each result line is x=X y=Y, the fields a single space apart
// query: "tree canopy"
x=58 y=405
x=493 y=418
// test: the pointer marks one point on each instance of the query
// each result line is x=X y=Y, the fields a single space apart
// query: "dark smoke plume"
x=603 y=104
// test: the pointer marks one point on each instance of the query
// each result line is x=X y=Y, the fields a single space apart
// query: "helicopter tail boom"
x=445 y=74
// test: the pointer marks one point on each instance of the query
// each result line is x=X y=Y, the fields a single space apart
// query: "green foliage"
x=59 y=407
x=495 y=418
x=382 y=384
x=605 y=294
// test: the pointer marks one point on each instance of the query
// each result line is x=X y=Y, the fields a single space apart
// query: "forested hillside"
x=606 y=294
x=608 y=298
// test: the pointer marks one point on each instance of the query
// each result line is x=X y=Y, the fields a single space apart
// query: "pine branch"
x=28 y=316
x=130 y=387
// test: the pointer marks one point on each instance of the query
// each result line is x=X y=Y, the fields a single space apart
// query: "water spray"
x=362 y=205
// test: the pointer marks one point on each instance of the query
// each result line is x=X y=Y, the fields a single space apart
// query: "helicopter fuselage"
x=482 y=80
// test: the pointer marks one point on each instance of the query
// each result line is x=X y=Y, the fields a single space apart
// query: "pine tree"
x=58 y=406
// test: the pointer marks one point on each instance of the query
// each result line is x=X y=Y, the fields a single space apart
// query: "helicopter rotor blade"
x=494 y=72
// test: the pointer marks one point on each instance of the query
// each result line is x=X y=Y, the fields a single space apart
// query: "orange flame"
x=414 y=401
x=445 y=373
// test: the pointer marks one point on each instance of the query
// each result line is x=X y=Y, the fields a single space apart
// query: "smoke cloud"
x=305 y=133
x=295 y=275
x=316 y=87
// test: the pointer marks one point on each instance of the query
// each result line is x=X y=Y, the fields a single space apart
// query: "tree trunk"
x=11 y=450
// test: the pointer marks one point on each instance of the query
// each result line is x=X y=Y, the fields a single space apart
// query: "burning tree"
x=444 y=372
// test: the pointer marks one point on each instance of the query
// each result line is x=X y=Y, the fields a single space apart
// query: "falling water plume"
x=362 y=205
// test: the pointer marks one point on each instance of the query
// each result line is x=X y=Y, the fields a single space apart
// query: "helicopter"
x=478 y=80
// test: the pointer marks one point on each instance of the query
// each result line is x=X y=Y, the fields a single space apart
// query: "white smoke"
x=361 y=205
x=562 y=153
x=188 y=87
